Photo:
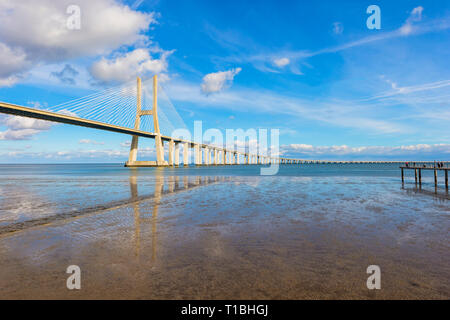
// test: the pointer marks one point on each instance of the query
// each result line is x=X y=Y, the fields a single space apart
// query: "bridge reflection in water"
x=174 y=185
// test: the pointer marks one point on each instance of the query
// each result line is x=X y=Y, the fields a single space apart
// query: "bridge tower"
x=132 y=162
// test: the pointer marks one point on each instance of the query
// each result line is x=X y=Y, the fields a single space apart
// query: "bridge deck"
x=16 y=110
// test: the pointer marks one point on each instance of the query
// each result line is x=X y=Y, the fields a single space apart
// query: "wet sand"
x=238 y=238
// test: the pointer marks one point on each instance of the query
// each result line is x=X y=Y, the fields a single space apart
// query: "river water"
x=222 y=232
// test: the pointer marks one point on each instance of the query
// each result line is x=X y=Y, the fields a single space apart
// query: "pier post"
x=446 y=179
x=415 y=175
x=420 y=177
x=237 y=157
x=403 y=178
x=215 y=156
x=435 y=177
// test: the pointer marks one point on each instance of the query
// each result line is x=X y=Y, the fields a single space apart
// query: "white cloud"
x=281 y=62
x=23 y=128
x=109 y=155
x=9 y=81
x=216 y=82
x=416 y=15
x=88 y=141
x=126 y=67
x=338 y=28
x=22 y=134
x=125 y=144
x=67 y=113
x=35 y=32
x=264 y=61
x=12 y=61
x=19 y=123
x=347 y=114
x=421 y=151
x=398 y=90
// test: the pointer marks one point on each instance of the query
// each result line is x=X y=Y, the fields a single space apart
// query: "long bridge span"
x=211 y=155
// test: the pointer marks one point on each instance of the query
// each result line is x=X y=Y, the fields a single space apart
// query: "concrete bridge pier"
x=177 y=154
x=197 y=154
x=185 y=154
x=206 y=155
x=171 y=155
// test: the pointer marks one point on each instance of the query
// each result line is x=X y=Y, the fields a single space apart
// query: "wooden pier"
x=418 y=173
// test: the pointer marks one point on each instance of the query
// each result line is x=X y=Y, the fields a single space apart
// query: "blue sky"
x=334 y=88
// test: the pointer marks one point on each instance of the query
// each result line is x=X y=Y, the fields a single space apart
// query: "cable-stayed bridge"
x=136 y=110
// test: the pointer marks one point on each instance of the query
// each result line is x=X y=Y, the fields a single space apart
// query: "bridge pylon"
x=132 y=159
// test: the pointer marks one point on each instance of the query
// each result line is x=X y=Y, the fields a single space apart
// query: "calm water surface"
x=222 y=232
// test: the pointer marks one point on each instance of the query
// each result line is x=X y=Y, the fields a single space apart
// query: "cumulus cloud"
x=218 y=81
x=19 y=123
x=12 y=63
x=9 y=81
x=281 y=62
x=21 y=128
x=35 y=32
x=125 y=67
x=66 y=75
